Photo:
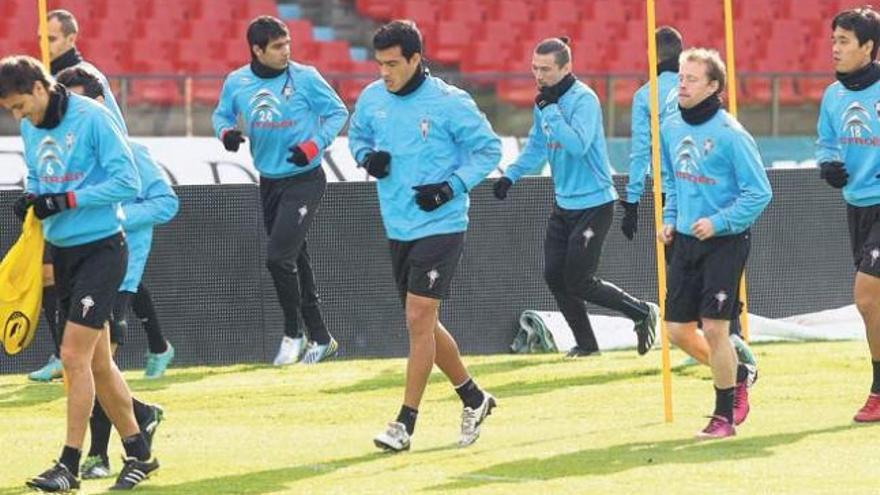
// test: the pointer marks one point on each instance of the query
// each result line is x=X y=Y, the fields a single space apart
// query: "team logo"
x=303 y=211
x=50 y=155
x=721 y=298
x=856 y=119
x=433 y=276
x=588 y=236
x=424 y=127
x=287 y=91
x=87 y=303
x=69 y=139
x=708 y=146
x=875 y=253
x=687 y=156
x=264 y=106
x=877 y=109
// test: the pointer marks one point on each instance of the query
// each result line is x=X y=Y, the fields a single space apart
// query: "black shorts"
x=864 y=237
x=87 y=278
x=426 y=266
x=703 y=277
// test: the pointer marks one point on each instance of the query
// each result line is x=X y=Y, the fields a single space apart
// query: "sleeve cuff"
x=310 y=149
x=457 y=184
x=719 y=224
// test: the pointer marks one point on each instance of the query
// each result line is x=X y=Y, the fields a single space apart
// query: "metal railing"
x=772 y=104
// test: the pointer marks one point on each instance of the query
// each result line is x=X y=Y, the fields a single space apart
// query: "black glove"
x=47 y=205
x=833 y=173
x=501 y=186
x=630 y=223
x=232 y=140
x=432 y=196
x=548 y=95
x=21 y=205
x=302 y=154
x=377 y=163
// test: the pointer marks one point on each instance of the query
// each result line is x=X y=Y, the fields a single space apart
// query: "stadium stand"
x=193 y=37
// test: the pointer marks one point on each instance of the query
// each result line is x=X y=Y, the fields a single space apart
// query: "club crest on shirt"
x=708 y=146
x=69 y=139
x=424 y=127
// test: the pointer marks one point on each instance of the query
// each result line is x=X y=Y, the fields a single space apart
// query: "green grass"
x=589 y=426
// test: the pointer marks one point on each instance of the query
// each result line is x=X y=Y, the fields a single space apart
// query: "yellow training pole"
x=658 y=213
x=44 y=32
x=42 y=12
x=731 y=92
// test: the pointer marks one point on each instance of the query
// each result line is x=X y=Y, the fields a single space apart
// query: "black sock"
x=50 y=311
x=470 y=394
x=136 y=446
x=70 y=458
x=142 y=304
x=875 y=387
x=724 y=403
x=142 y=412
x=742 y=373
x=407 y=416
x=100 y=427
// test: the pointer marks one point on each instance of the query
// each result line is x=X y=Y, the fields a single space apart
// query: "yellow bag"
x=21 y=287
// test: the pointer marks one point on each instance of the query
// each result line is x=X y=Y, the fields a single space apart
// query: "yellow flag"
x=21 y=287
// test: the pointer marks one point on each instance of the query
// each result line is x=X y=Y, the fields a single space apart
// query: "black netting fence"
x=217 y=305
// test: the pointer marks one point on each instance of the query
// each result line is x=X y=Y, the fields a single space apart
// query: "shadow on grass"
x=395 y=378
x=618 y=458
x=181 y=376
x=533 y=387
x=31 y=394
x=14 y=490
x=272 y=480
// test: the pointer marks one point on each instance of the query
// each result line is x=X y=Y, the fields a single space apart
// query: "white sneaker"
x=394 y=439
x=290 y=351
x=471 y=419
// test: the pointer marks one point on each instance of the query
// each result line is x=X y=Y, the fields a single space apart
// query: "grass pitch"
x=588 y=426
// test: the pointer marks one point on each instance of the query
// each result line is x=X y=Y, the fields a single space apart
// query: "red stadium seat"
x=154 y=92
x=562 y=11
x=423 y=12
x=381 y=10
x=519 y=92
x=255 y=8
x=624 y=90
x=363 y=74
x=300 y=30
x=812 y=89
x=519 y=11
x=450 y=39
x=463 y=11
x=206 y=91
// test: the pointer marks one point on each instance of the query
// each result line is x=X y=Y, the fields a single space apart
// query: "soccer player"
x=291 y=115
x=62 y=31
x=79 y=170
x=567 y=132
x=156 y=203
x=669 y=47
x=719 y=188
x=849 y=160
x=427 y=144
